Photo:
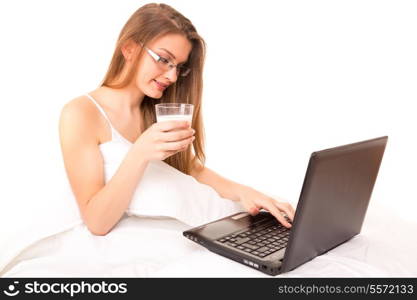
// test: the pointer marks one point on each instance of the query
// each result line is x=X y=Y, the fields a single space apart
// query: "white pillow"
x=165 y=191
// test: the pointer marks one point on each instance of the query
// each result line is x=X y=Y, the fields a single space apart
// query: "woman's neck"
x=126 y=100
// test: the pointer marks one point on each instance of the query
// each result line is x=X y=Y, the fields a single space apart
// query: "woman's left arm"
x=251 y=199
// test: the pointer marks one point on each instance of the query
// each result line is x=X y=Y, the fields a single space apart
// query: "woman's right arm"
x=102 y=205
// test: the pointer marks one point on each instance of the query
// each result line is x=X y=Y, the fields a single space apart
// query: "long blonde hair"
x=150 y=22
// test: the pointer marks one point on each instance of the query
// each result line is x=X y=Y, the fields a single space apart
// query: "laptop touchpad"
x=226 y=226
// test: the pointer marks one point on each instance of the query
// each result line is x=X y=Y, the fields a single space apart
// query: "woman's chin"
x=154 y=94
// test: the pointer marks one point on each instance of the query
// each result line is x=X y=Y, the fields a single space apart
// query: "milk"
x=174 y=118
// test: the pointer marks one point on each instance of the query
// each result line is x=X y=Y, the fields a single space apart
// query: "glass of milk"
x=174 y=111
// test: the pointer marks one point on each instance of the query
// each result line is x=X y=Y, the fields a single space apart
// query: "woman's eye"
x=163 y=60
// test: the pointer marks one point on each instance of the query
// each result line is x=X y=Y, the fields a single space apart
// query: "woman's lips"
x=160 y=85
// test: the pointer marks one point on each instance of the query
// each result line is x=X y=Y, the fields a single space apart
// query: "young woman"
x=159 y=58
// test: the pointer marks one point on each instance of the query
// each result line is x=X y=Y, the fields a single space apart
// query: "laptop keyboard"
x=261 y=240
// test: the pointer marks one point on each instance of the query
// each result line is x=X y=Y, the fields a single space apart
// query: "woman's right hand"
x=163 y=139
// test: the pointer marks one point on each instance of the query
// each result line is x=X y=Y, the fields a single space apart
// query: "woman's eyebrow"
x=170 y=54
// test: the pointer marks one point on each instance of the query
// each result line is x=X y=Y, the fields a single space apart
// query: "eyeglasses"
x=167 y=65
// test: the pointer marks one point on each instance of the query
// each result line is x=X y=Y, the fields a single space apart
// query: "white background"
x=282 y=79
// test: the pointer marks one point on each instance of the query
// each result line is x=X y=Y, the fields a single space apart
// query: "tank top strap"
x=113 y=131
x=115 y=135
x=100 y=109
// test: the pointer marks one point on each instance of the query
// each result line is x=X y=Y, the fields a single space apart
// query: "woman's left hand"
x=253 y=201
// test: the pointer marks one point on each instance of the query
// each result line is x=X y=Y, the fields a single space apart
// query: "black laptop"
x=332 y=206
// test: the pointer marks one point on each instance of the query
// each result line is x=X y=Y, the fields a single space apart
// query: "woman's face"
x=152 y=79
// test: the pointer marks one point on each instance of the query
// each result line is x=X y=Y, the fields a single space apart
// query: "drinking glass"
x=174 y=111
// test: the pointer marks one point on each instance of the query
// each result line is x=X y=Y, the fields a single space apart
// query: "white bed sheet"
x=155 y=247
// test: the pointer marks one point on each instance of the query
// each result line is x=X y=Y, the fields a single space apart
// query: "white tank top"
x=163 y=190
x=113 y=151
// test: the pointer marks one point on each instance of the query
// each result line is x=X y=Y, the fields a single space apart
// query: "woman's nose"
x=171 y=74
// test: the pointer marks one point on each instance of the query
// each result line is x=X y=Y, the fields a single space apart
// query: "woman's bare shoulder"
x=80 y=107
x=80 y=114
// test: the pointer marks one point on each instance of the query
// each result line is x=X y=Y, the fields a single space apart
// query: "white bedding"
x=155 y=247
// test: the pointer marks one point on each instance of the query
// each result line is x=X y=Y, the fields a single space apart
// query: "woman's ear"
x=128 y=49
